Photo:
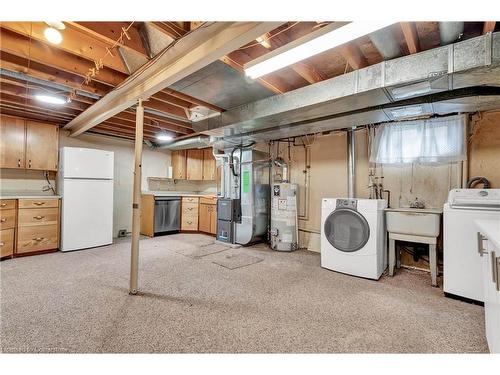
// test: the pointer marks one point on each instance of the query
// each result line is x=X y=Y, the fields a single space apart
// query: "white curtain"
x=429 y=141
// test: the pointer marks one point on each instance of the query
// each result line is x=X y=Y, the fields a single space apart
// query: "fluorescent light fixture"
x=51 y=99
x=52 y=35
x=164 y=137
x=328 y=37
x=414 y=89
x=407 y=112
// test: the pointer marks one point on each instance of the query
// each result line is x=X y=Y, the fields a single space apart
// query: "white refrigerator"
x=86 y=185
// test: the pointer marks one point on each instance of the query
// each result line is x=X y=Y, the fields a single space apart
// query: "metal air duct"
x=200 y=141
x=450 y=32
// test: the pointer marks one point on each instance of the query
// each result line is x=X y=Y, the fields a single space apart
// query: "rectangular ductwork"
x=432 y=82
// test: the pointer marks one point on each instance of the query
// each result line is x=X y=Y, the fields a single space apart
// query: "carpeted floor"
x=78 y=302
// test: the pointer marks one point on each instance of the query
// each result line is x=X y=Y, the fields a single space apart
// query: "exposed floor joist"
x=196 y=50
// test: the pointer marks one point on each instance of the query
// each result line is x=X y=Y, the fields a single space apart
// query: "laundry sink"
x=413 y=221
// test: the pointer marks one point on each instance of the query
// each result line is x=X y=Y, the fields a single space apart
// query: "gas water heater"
x=284 y=220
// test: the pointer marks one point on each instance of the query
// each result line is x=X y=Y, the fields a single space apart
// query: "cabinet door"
x=12 y=142
x=213 y=219
x=42 y=146
x=208 y=165
x=179 y=165
x=204 y=218
x=194 y=165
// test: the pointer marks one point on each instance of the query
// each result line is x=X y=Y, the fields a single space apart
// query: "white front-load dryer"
x=353 y=236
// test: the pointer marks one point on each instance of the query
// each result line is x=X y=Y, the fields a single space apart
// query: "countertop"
x=178 y=194
x=27 y=194
x=437 y=211
x=491 y=229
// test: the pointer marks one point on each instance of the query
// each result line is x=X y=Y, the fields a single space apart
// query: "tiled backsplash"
x=167 y=184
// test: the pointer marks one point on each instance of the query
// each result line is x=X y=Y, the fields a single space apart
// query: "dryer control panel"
x=347 y=203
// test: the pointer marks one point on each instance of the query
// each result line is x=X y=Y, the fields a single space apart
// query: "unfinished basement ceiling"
x=220 y=84
x=29 y=63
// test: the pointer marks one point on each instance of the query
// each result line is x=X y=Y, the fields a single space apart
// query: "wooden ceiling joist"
x=198 y=49
x=21 y=46
x=45 y=73
x=74 y=41
x=5 y=111
x=353 y=55
x=411 y=37
x=489 y=27
x=109 y=32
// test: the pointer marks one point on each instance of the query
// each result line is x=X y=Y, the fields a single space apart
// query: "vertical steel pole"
x=136 y=206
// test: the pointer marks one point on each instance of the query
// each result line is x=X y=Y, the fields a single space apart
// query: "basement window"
x=428 y=141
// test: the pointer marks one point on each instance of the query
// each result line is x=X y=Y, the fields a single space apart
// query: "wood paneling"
x=194 y=165
x=42 y=146
x=12 y=136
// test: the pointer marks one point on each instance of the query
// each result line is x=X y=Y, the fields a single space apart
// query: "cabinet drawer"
x=208 y=200
x=6 y=242
x=189 y=223
x=37 y=238
x=38 y=203
x=190 y=208
x=38 y=216
x=190 y=200
x=7 y=204
x=7 y=219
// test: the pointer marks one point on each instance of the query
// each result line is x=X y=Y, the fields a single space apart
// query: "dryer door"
x=346 y=230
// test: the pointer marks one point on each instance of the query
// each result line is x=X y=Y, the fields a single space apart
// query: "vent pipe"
x=351 y=155
x=200 y=141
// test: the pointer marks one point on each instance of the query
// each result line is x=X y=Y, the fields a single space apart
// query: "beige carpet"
x=78 y=302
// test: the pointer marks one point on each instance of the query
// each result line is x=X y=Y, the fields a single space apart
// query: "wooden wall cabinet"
x=28 y=144
x=194 y=165
x=179 y=164
x=209 y=168
x=12 y=142
x=42 y=146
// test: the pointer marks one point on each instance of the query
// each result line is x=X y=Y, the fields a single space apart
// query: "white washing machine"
x=461 y=261
x=353 y=236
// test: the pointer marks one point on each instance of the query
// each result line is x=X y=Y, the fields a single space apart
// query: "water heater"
x=284 y=221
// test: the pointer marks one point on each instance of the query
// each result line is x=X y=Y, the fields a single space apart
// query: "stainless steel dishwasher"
x=167 y=214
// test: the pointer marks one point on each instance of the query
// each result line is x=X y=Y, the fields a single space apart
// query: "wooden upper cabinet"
x=42 y=145
x=179 y=164
x=12 y=142
x=208 y=165
x=194 y=165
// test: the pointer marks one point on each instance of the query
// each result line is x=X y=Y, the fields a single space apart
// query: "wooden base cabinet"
x=7 y=227
x=208 y=215
x=189 y=214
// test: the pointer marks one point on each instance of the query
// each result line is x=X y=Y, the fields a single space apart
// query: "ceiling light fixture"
x=325 y=38
x=52 y=35
x=51 y=99
x=164 y=137
x=59 y=25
